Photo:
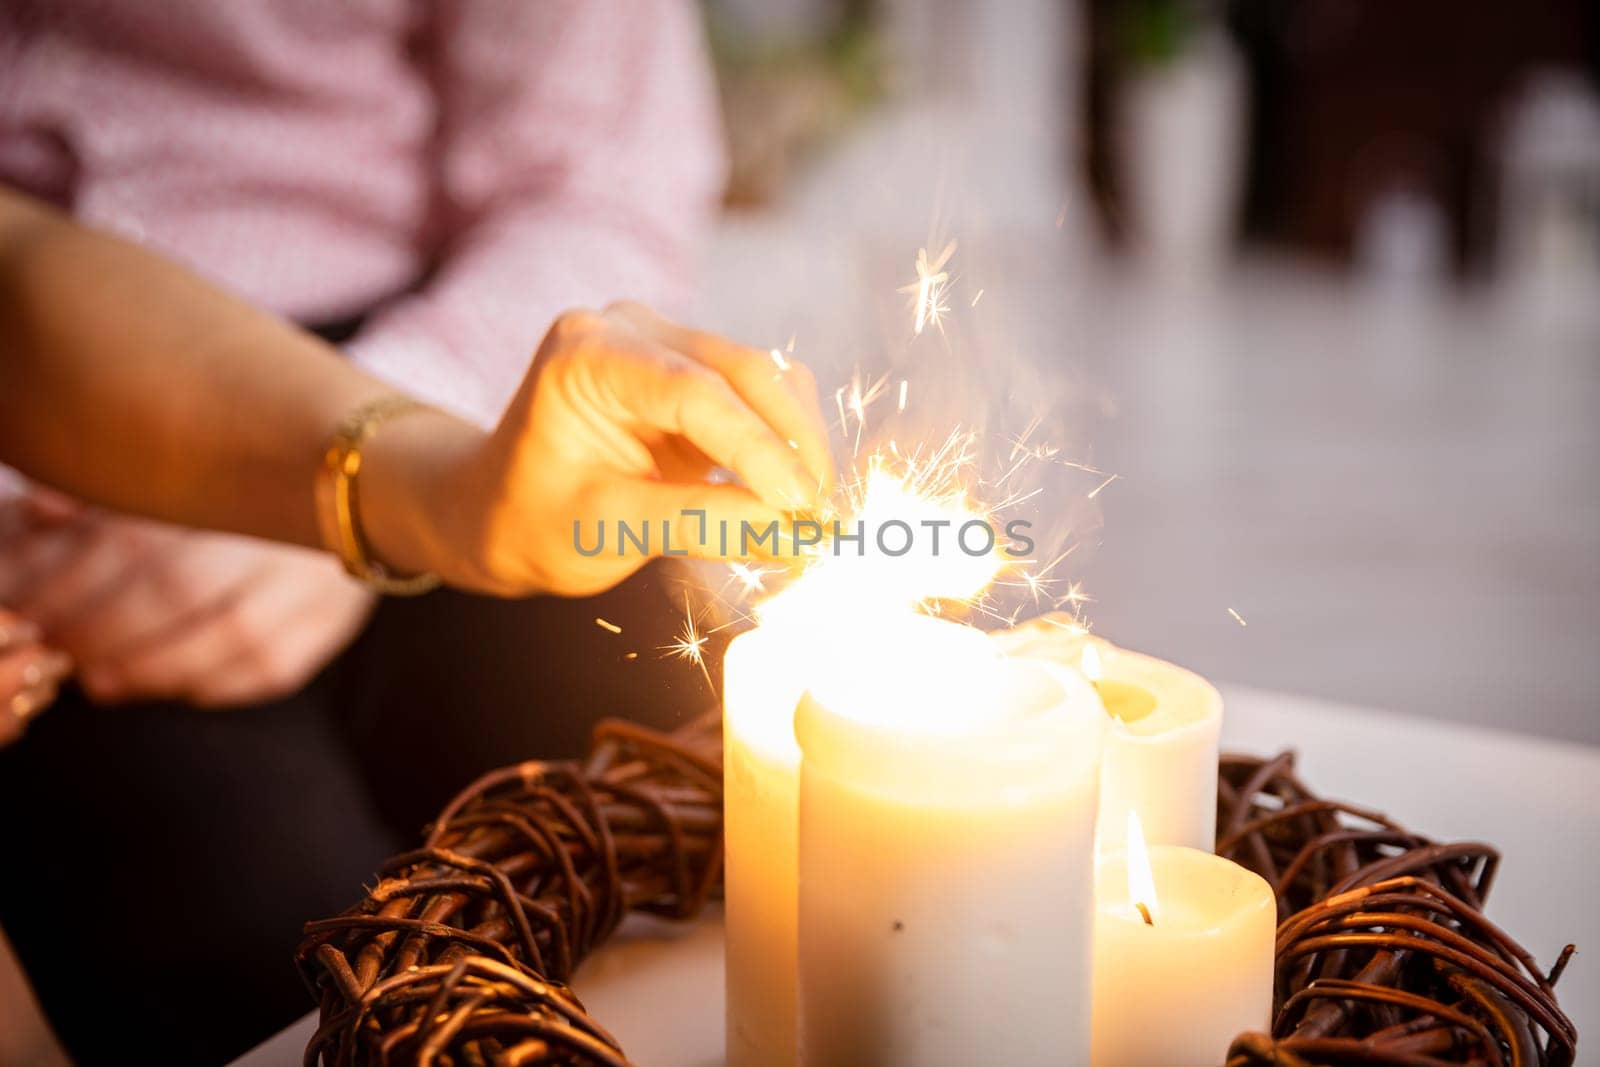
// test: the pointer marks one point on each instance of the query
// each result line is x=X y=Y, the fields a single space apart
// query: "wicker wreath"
x=461 y=953
x=1384 y=955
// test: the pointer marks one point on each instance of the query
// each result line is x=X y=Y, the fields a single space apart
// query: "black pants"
x=158 y=861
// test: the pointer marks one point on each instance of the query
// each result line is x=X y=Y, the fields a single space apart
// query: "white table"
x=658 y=987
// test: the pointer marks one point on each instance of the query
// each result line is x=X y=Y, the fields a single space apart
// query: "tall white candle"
x=1161 y=752
x=947 y=810
x=1177 y=988
x=760 y=688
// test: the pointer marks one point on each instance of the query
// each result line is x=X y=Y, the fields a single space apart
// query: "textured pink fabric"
x=474 y=166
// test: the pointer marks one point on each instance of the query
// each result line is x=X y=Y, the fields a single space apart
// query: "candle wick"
x=1145 y=912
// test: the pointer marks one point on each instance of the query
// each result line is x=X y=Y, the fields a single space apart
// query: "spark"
x=751 y=577
x=1061 y=217
x=855 y=399
x=1075 y=627
x=690 y=644
x=606 y=625
x=779 y=360
x=1038 y=582
x=1019 y=443
x=1035 y=584
x=904 y=386
x=630 y=655
x=977 y=297
x=1237 y=617
x=930 y=287
x=1096 y=490
x=789 y=348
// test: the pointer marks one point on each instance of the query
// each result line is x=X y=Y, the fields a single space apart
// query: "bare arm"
x=129 y=382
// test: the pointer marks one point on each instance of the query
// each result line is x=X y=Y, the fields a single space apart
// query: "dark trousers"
x=159 y=861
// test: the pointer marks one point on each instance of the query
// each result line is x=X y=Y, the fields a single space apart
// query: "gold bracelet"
x=337 y=499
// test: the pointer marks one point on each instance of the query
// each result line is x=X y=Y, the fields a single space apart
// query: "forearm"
x=130 y=382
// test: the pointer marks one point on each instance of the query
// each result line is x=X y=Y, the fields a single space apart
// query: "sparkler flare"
x=1237 y=617
x=607 y=625
x=932 y=492
x=922 y=490
x=929 y=288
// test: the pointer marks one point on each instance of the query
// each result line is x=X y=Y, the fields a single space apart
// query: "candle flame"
x=1141 y=879
x=1092 y=669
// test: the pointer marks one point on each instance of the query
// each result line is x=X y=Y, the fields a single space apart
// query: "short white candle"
x=760 y=688
x=1177 y=989
x=1161 y=753
x=947 y=810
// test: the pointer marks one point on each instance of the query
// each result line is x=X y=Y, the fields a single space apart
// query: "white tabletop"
x=658 y=987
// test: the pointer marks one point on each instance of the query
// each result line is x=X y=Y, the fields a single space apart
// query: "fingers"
x=162 y=668
x=294 y=623
x=29 y=677
x=264 y=640
x=16 y=631
x=161 y=593
x=98 y=558
x=671 y=394
x=46 y=505
x=781 y=391
x=28 y=559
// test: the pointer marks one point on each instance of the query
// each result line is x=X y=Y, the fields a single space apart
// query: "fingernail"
x=17 y=633
x=31 y=701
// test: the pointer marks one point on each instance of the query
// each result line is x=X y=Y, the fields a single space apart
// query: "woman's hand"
x=148 y=610
x=623 y=416
x=30 y=671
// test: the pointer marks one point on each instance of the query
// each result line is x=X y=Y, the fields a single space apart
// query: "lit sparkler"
x=913 y=488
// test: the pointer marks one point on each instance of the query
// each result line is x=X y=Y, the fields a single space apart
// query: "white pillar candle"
x=761 y=760
x=1161 y=752
x=947 y=811
x=1177 y=989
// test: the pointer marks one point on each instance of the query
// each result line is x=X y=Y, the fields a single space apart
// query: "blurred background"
x=1317 y=280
